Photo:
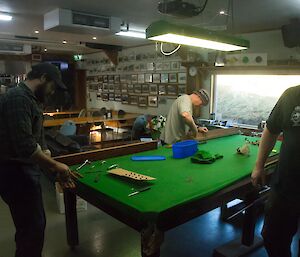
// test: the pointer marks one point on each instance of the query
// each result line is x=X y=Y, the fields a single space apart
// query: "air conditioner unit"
x=13 y=48
x=64 y=20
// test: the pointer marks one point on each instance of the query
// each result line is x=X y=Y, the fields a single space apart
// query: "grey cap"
x=52 y=71
x=203 y=96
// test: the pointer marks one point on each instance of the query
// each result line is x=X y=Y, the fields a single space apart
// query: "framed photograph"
x=150 y=66
x=131 y=67
x=175 y=65
x=124 y=99
x=182 y=78
x=164 y=78
x=123 y=78
x=105 y=78
x=100 y=86
x=166 y=66
x=145 y=89
x=111 y=78
x=130 y=89
x=181 y=89
x=156 y=78
x=124 y=88
x=133 y=99
x=111 y=96
x=153 y=89
x=100 y=78
x=117 y=88
x=137 y=67
x=137 y=88
x=153 y=101
x=105 y=87
x=118 y=98
x=173 y=77
x=134 y=78
x=98 y=96
x=172 y=90
x=143 y=67
x=105 y=97
x=162 y=90
x=111 y=88
x=117 y=78
x=143 y=101
x=128 y=79
x=131 y=56
x=158 y=66
x=141 y=78
x=148 y=78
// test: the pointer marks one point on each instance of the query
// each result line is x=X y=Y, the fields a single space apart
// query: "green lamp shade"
x=193 y=36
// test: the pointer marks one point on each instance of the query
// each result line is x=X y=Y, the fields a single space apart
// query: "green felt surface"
x=178 y=180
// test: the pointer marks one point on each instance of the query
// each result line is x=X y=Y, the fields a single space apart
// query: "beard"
x=41 y=93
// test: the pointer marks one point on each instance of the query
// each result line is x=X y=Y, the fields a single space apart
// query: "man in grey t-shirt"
x=180 y=118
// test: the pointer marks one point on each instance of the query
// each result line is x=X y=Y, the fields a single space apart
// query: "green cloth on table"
x=205 y=157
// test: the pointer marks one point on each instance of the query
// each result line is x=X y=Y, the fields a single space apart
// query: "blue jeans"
x=21 y=190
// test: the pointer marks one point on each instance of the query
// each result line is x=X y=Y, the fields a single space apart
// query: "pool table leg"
x=151 y=241
x=71 y=218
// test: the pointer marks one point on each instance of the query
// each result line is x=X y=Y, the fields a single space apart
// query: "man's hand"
x=258 y=177
x=64 y=175
x=202 y=130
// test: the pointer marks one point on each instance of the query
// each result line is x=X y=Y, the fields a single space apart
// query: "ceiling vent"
x=64 y=20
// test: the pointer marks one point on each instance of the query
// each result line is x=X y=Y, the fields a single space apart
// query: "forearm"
x=44 y=161
x=190 y=122
x=266 y=145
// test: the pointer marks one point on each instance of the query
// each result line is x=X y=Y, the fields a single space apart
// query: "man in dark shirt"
x=283 y=207
x=23 y=152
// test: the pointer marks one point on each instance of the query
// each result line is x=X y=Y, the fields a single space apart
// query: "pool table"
x=182 y=190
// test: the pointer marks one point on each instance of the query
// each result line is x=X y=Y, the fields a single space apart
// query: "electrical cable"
x=169 y=53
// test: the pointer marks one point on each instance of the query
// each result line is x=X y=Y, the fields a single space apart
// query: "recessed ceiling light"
x=131 y=33
x=222 y=12
x=94 y=38
x=45 y=50
x=64 y=41
x=5 y=17
x=36 y=32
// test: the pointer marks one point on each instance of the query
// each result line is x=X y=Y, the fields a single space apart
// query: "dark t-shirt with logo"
x=285 y=117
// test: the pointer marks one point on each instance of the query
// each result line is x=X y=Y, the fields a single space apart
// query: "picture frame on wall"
x=124 y=88
x=156 y=78
x=153 y=89
x=145 y=89
x=133 y=99
x=134 y=78
x=128 y=78
x=117 y=88
x=130 y=88
x=182 y=78
x=143 y=67
x=105 y=78
x=148 y=78
x=100 y=87
x=100 y=78
x=172 y=90
x=105 y=97
x=162 y=90
x=143 y=101
x=105 y=87
x=150 y=66
x=124 y=98
x=137 y=88
x=111 y=88
x=153 y=101
x=166 y=66
x=111 y=78
x=181 y=89
x=118 y=98
x=98 y=96
x=123 y=78
x=164 y=77
x=158 y=66
x=111 y=96
x=117 y=78
x=173 y=77
x=141 y=78
x=175 y=65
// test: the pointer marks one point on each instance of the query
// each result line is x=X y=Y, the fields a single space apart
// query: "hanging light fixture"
x=193 y=36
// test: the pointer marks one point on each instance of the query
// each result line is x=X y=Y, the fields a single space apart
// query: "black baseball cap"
x=52 y=71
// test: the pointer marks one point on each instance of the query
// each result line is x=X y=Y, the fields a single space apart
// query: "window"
x=249 y=99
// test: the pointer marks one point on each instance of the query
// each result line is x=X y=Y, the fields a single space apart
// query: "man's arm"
x=266 y=145
x=188 y=119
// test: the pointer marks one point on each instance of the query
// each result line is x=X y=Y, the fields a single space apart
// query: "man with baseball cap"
x=24 y=152
x=180 y=118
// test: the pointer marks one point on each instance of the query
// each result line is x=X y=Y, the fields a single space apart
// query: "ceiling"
x=244 y=16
